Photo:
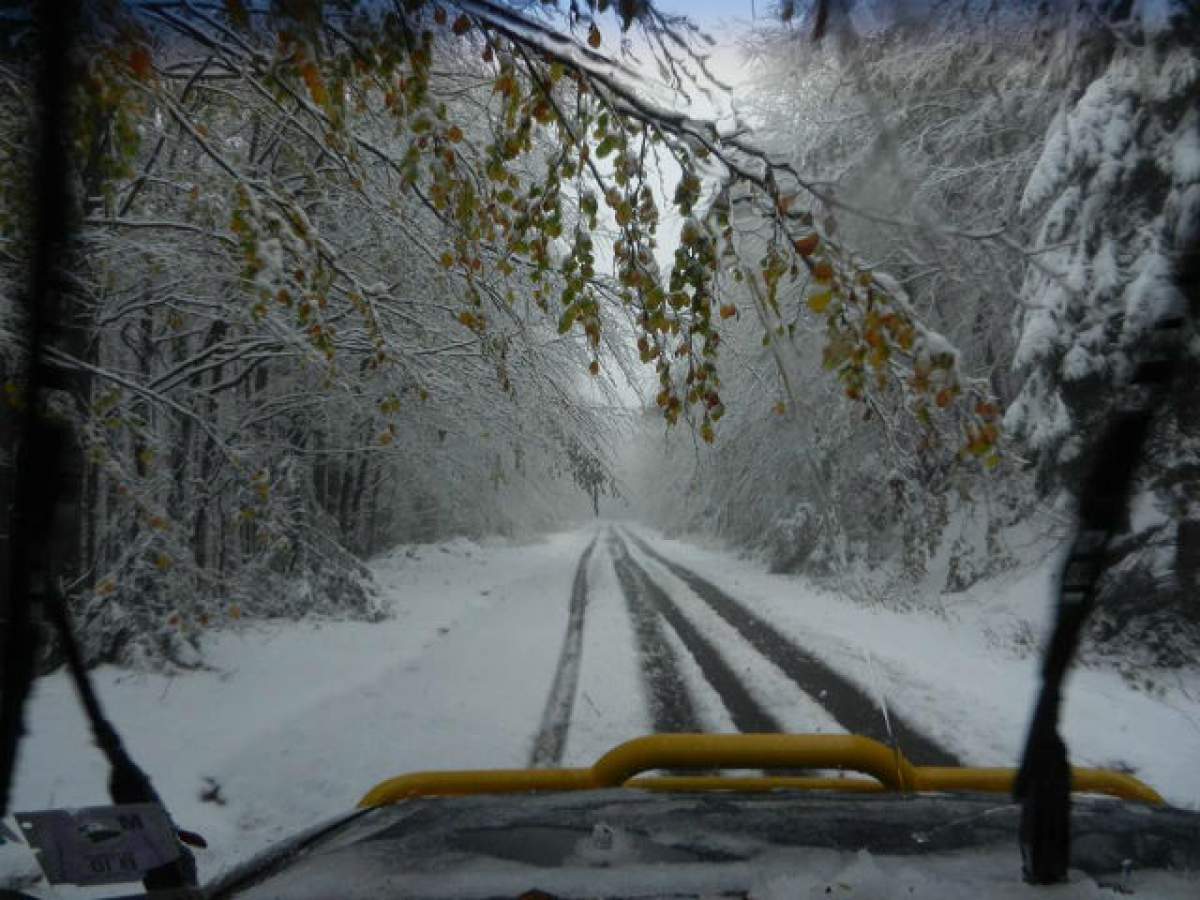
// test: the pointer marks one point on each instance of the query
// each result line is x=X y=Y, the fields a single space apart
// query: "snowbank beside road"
x=294 y=721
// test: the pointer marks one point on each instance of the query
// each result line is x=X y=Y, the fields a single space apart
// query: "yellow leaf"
x=818 y=303
x=162 y=562
x=878 y=356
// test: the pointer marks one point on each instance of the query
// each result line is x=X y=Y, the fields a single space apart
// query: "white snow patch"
x=1042 y=333
x=1185 y=152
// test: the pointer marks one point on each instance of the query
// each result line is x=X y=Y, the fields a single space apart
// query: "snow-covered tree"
x=1117 y=195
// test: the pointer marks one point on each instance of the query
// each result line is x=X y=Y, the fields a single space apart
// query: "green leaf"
x=568 y=318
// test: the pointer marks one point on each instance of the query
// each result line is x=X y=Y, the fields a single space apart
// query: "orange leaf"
x=461 y=25
x=728 y=311
x=822 y=272
x=807 y=245
x=454 y=134
x=985 y=410
x=316 y=87
x=439 y=15
x=593 y=38
x=944 y=396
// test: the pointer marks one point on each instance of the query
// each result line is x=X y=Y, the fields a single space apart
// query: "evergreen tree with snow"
x=1117 y=195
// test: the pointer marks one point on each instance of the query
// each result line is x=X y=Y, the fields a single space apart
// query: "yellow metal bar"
x=1000 y=781
x=888 y=769
x=482 y=781
x=754 y=751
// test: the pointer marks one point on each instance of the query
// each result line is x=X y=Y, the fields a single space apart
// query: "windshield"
x=475 y=385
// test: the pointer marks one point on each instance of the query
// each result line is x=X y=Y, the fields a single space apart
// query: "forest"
x=353 y=274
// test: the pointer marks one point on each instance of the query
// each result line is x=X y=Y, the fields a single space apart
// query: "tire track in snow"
x=556 y=718
x=672 y=708
x=744 y=710
x=849 y=704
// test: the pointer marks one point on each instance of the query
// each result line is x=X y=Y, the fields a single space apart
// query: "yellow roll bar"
x=887 y=768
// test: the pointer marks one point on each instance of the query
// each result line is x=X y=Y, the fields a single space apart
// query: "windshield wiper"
x=1043 y=784
x=44 y=443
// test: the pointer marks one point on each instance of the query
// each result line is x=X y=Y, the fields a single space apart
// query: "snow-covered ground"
x=963 y=678
x=295 y=721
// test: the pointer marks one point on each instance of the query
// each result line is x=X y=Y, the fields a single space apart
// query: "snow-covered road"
x=551 y=652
